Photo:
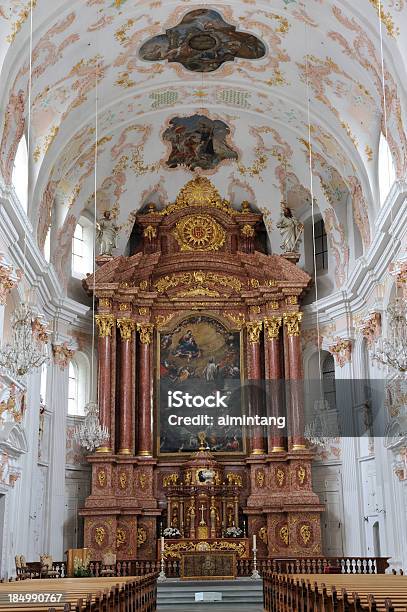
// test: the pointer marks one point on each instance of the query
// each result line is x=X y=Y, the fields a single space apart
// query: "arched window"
x=78 y=384
x=387 y=172
x=73 y=389
x=82 y=249
x=47 y=246
x=20 y=173
x=43 y=384
x=328 y=380
x=321 y=246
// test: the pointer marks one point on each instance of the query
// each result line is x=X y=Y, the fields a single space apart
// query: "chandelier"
x=90 y=434
x=28 y=349
x=318 y=432
x=392 y=351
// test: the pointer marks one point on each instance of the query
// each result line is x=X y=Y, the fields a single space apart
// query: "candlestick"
x=162 y=576
x=255 y=574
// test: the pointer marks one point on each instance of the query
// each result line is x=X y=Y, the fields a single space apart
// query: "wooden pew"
x=334 y=593
x=86 y=594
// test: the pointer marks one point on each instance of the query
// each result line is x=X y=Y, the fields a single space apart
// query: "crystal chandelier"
x=28 y=349
x=90 y=434
x=317 y=432
x=392 y=351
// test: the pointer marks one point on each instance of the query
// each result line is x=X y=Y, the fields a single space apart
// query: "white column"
x=29 y=476
x=353 y=530
x=58 y=394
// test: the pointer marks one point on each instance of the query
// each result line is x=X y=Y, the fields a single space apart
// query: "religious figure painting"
x=199 y=357
x=198 y=141
x=202 y=42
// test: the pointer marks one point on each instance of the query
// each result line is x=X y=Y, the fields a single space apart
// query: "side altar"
x=200 y=303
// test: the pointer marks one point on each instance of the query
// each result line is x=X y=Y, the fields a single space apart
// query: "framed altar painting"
x=199 y=387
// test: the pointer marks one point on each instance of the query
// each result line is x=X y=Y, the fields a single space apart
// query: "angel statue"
x=291 y=231
x=106 y=233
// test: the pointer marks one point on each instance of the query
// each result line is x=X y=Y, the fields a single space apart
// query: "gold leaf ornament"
x=199 y=233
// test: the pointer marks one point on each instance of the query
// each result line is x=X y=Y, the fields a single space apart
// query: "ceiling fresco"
x=197 y=142
x=221 y=90
x=202 y=42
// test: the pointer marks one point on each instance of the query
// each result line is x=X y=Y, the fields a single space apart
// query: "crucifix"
x=202 y=521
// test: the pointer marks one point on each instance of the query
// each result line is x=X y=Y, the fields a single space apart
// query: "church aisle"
x=180 y=595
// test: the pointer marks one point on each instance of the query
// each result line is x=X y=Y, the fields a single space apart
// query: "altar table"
x=208 y=566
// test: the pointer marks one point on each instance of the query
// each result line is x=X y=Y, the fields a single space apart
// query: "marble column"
x=56 y=483
x=292 y=322
x=126 y=327
x=105 y=323
x=145 y=448
x=254 y=329
x=276 y=443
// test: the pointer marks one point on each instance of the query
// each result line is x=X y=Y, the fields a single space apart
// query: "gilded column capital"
x=146 y=332
x=254 y=330
x=342 y=351
x=8 y=280
x=292 y=321
x=105 y=323
x=127 y=327
x=272 y=327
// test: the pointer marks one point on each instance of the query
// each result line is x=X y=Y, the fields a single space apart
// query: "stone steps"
x=175 y=594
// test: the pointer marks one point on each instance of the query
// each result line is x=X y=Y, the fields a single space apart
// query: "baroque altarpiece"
x=198 y=303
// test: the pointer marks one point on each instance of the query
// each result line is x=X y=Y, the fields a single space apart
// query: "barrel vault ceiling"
x=322 y=51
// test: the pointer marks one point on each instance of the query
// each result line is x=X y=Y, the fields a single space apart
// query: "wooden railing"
x=284 y=593
x=316 y=565
x=322 y=565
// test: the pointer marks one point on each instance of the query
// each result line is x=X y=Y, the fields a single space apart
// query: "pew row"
x=131 y=594
x=336 y=592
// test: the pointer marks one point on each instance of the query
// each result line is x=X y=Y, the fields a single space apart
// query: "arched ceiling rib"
x=329 y=49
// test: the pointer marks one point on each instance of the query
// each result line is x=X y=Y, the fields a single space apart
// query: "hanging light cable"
x=391 y=351
x=28 y=349
x=316 y=431
x=90 y=434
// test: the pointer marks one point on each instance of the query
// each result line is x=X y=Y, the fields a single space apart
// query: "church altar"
x=199 y=304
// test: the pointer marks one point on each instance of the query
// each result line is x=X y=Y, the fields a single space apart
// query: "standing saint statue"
x=291 y=231
x=106 y=233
